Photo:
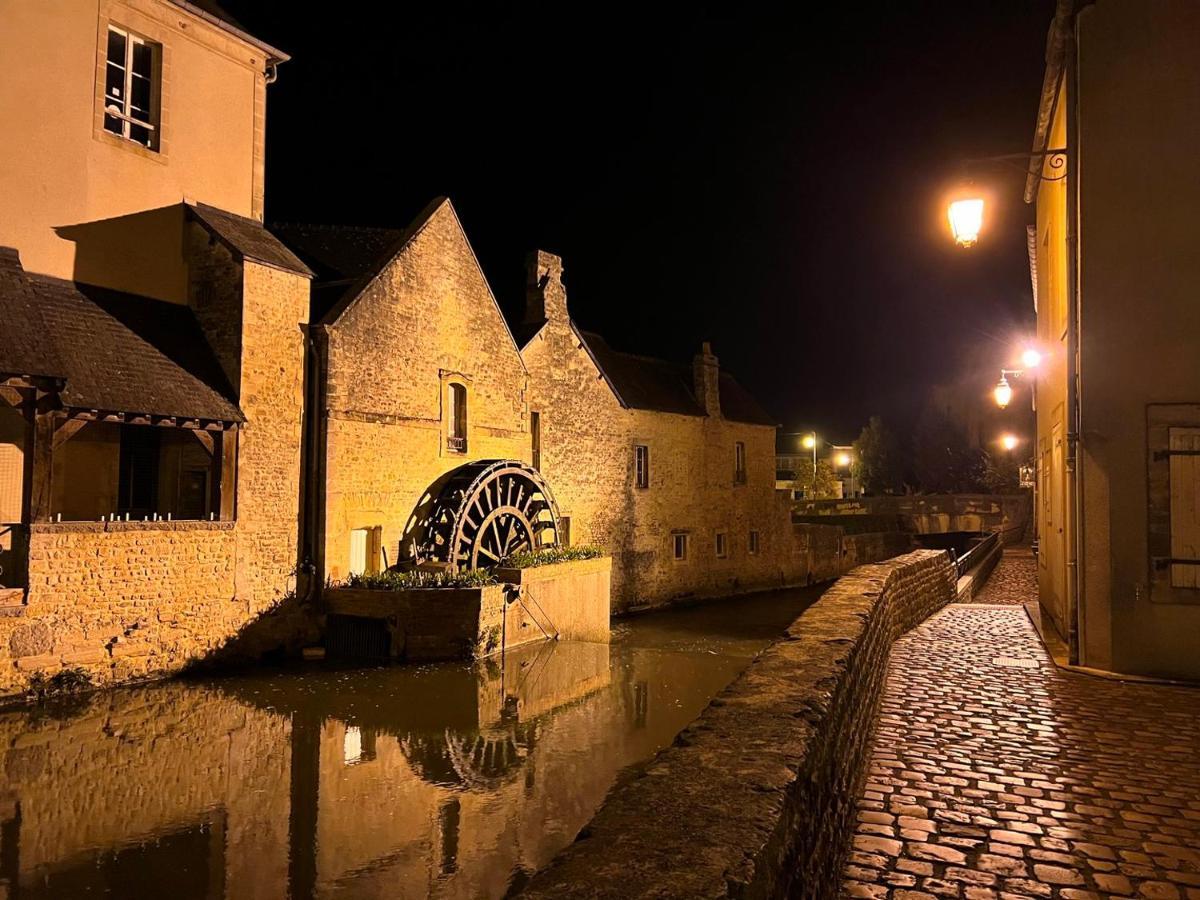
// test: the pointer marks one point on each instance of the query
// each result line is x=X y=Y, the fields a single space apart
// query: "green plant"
x=548 y=555
x=61 y=684
x=419 y=578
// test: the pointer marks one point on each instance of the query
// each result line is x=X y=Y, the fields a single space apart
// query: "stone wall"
x=756 y=797
x=936 y=513
x=426 y=321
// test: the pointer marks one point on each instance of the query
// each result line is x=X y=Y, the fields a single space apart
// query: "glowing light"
x=1003 y=393
x=966 y=219
x=809 y=441
x=842 y=459
x=1031 y=358
x=1009 y=441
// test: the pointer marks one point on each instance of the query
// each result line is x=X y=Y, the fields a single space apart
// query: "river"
x=449 y=780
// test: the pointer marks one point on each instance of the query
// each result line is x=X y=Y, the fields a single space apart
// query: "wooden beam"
x=228 y=475
x=42 y=475
x=65 y=430
x=206 y=439
x=11 y=395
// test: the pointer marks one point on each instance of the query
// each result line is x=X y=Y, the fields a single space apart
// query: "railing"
x=977 y=554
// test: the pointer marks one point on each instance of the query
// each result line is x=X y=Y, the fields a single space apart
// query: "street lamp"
x=1002 y=392
x=809 y=442
x=966 y=219
x=842 y=459
x=1009 y=442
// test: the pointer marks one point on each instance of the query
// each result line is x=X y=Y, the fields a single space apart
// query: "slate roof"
x=643 y=382
x=248 y=239
x=117 y=352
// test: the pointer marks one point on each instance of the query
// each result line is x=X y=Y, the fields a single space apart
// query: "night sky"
x=772 y=184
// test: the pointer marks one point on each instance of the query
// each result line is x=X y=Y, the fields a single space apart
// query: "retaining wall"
x=934 y=513
x=756 y=797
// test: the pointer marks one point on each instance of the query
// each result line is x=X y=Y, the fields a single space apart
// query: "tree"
x=825 y=479
x=1003 y=474
x=944 y=461
x=878 y=464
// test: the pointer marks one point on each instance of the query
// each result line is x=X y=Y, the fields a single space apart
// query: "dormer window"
x=131 y=88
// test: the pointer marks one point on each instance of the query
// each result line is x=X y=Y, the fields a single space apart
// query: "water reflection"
x=439 y=781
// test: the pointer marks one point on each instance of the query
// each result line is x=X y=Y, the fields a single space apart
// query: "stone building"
x=152 y=353
x=201 y=424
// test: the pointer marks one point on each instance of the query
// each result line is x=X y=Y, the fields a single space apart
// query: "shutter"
x=358 y=551
x=1185 y=505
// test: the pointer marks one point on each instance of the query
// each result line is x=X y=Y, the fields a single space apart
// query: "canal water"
x=447 y=780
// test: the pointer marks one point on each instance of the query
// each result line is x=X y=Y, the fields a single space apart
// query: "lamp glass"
x=1003 y=393
x=809 y=442
x=1009 y=441
x=842 y=459
x=1031 y=358
x=966 y=219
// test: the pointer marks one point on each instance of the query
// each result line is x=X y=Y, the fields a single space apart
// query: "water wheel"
x=489 y=510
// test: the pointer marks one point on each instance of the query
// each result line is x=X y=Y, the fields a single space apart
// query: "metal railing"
x=977 y=554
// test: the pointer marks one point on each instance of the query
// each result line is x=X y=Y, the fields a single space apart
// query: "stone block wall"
x=427 y=320
x=765 y=779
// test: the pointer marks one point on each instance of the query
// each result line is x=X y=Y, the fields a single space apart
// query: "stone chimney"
x=545 y=295
x=706 y=380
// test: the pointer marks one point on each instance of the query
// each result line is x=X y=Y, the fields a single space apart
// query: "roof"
x=213 y=12
x=643 y=382
x=117 y=352
x=248 y=239
x=25 y=346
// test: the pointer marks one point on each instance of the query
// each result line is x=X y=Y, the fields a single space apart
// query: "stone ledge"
x=103 y=527
x=756 y=797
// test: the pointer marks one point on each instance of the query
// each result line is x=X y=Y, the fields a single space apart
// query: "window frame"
x=739 y=462
x=680 y=540
x=721 y=544
x=754 y=542
x=122 y=112
x=641 y=466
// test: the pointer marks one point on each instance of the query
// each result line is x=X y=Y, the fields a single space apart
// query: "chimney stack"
x=545 y=295
x=706 y=379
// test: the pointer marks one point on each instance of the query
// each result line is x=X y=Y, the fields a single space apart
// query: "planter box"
x=568 y=601
x=571 y=599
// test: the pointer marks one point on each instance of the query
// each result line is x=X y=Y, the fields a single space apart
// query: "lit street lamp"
x=966 y=219
x=1003 y=392
x=809 y=442
x=1009 y=442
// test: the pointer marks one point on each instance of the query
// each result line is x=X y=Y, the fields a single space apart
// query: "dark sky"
x=771 y=183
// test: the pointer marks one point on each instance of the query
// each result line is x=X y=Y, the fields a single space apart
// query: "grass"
x=551 y=555
x=416 y=579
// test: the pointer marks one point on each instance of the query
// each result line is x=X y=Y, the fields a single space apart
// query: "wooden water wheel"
x=489 y=510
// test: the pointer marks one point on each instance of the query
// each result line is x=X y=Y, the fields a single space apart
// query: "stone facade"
x=772 y=822
x=425 y=322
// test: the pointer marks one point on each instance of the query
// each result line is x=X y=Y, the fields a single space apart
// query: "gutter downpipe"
x=1074 y=480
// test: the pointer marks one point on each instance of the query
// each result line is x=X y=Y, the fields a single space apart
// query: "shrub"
x=550 y=555
x=61 y=684
x=418 y=578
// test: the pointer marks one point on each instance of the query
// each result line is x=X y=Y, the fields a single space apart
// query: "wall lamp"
x=966 y=210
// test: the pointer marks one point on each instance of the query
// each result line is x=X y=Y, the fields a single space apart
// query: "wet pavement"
x=1013 y=581
x=449 y=780
x=995 y=774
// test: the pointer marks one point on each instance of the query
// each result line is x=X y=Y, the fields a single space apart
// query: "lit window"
x=641 y=465
x=679 y=545
x=456 y=437
x=753 y=543
x=739 y=463
x=365 y=547
x=358 y=745
x=131 y=88
x=722 y=545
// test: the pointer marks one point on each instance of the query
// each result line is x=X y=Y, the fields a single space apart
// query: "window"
x=535 y=438
x=753 y=543
x=358 y=745
x=564 y=531
x=739 y=463
x=679 y=545
x=1184 y=454
x=131 y=88
x=456 y=437
x=641 y=465
x=722 y=545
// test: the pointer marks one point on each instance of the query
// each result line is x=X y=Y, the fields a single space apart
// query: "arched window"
x=456 y=436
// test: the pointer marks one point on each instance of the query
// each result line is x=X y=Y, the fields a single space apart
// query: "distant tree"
x=825 y=478
x=944 y=461
x=1002 y=474
x=878 y=464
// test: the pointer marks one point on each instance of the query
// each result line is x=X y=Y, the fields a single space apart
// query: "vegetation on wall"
x=548 y=555
x=419 y=578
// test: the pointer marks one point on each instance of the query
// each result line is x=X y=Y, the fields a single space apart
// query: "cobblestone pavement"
x=1014 y=580
x=994 y=774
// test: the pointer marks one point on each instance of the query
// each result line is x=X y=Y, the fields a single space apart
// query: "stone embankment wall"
x=755 y=798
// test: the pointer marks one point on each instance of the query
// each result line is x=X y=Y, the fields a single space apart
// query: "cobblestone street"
x=1014 y=579
x=994 y=774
